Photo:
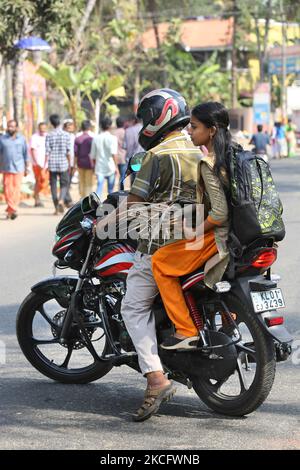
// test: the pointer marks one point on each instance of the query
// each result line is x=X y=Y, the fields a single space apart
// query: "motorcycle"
x=70 y=327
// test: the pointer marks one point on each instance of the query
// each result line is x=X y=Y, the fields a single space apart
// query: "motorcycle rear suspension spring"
x=194 y=311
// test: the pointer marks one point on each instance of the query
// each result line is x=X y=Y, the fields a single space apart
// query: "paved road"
x=36 y=413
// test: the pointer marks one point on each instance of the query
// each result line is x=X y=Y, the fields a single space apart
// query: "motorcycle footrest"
x=122 y=359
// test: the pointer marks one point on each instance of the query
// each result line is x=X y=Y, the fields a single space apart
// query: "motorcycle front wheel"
x=247 y=388
x=39 y=321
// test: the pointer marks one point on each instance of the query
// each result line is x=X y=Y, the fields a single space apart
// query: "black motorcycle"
x=71 y=330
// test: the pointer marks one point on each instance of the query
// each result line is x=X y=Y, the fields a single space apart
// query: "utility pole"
x=283 y=60
x=234 y=100
x=137 y=78
x=155 y=23
x=137 y=84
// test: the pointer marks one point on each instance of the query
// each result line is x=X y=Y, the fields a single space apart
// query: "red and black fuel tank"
x=114 y=259
x=68 y=231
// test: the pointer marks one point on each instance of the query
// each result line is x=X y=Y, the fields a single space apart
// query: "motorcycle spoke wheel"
x=65 y=364
x=251 y=381
x=39 y=323
x=41 y=310
x=241 y=375
x=46 y=326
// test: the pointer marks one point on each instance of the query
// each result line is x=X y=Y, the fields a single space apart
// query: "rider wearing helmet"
x=161 y=111
x=168 y=173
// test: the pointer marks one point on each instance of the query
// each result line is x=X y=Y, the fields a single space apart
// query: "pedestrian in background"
x=68 y=126
x=119 y=132
x=260 y=140
x=131 y=140
x=279 y=141
x=39 y=166
x=104 y=151
x=290 y=131
x=14 y=165
x=83 y=162
x=58 y=146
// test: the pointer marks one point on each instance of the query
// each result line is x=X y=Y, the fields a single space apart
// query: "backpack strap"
x=235 y=249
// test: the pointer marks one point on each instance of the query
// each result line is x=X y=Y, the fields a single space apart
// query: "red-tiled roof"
x=196 y=34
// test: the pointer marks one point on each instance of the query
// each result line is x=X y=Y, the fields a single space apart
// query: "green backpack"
x=254 y=203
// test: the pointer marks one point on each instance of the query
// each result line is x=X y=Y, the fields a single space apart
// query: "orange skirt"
x=168 y=264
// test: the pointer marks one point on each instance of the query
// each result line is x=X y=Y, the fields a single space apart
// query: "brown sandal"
x=152 y=401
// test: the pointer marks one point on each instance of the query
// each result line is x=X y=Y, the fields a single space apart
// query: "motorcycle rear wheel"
x=263 y=357
x=33 y=310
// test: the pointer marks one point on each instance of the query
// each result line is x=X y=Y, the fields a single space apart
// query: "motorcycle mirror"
x=135 y=163
x=90 y=203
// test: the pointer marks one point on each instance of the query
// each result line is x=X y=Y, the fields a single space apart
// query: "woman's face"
x=200 y=134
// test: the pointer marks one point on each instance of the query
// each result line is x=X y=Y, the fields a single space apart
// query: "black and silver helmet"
x=161 y=111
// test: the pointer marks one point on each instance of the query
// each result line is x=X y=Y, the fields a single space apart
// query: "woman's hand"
x=198 y=232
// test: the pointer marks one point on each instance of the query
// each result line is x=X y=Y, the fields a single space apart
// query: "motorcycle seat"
x=190 y=279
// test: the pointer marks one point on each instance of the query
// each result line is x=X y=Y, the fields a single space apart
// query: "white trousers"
x=137 y=313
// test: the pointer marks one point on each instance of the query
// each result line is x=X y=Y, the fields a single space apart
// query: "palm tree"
x=74 y=86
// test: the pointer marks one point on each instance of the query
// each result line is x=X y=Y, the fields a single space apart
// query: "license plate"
x=267 y=300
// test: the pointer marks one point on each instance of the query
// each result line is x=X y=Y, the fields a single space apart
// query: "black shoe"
x=172 y=343
x=60 y=208
x=12 y=216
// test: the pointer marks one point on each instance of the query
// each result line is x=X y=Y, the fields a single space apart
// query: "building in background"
x=34 y=98
x=204 y=36
x=35 y=94
x=201 y=37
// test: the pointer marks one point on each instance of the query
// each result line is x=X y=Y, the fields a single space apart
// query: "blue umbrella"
x=33 y=43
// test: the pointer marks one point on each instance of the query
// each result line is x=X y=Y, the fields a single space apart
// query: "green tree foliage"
x=196 y=82
x=110 y=41
x=53 y=20
x=74 y=86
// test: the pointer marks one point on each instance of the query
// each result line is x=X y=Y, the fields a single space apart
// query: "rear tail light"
x=274 y=321
x=265 y=258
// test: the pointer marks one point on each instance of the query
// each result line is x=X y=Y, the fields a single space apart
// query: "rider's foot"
x=183 y=342
x=153 y=399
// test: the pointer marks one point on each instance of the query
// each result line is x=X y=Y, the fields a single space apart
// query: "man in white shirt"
x=104 y=151
x=39 y=164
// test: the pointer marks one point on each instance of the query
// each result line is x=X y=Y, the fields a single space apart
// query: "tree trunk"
x=97 y=115
x=74 y=52
x=259 y=51
x=262 y=45
x=18 y=85
x=266 y=38
x=8 y=92
x=18 y=73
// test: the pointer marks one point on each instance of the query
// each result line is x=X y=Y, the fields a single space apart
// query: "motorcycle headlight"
x=87 y=224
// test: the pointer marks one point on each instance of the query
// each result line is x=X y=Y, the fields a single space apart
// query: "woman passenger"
x=209 y=127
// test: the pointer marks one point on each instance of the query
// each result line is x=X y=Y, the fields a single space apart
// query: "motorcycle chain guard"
x=216 y=364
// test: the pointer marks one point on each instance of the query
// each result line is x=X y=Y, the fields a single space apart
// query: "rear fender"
x=241 y=288
x=59 y=287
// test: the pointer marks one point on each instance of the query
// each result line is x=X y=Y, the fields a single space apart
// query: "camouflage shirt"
x=168 y=174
